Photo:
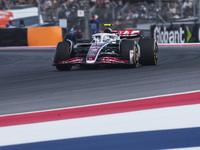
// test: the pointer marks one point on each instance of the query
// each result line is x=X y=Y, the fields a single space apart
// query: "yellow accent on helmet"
x=107 y=25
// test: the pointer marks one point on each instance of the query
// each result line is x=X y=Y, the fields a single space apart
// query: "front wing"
x=102 y=60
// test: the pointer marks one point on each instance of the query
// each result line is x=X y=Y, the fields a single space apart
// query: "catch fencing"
x=123 y=14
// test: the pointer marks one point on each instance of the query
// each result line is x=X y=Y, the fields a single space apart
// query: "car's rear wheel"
x=62 y=54
x=148 y=51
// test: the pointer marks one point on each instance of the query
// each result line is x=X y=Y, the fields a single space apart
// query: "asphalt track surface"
x=29 y=82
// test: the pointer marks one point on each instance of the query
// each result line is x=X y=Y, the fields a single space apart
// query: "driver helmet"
x=108 y=30
x=106 y=38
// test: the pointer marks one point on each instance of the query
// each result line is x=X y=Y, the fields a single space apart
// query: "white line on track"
x=26 y=47
x=189 y=148
x=57 y=109
x=178 y=44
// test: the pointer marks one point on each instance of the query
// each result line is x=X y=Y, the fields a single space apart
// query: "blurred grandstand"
x=122 y=13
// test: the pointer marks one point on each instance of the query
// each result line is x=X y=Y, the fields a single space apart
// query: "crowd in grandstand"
x=108 y=10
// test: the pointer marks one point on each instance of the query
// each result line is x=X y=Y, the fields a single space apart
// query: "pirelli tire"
x=148 y=51
x=62 y=54
x=125 y=47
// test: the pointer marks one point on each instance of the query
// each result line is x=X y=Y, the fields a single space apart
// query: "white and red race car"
x=127 y=47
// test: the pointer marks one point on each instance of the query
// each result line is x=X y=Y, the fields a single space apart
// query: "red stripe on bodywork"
x=101 y=109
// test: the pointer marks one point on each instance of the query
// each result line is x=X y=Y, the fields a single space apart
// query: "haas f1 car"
x=128 y=47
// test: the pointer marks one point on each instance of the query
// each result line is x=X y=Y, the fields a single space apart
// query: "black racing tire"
x=64 y=67
x=125 y=47
x=62 y=53
x=148 y=51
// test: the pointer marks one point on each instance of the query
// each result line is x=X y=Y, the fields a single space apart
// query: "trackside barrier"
x=32 y=36
x=176 y=33
x=44 y=36
x=13 y=37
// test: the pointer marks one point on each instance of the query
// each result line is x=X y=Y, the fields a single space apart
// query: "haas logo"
x=129 y=32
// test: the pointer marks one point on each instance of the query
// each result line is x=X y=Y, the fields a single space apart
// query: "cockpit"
x=104 y=37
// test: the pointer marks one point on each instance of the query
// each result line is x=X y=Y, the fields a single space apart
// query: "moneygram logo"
x=162 y=35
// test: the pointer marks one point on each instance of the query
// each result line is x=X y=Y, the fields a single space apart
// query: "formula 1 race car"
x=126 y=47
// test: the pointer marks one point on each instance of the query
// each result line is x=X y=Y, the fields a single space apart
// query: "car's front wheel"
x=62 y=54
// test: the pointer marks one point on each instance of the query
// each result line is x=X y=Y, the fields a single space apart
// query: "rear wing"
x=123 y=33
x=129 y=34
